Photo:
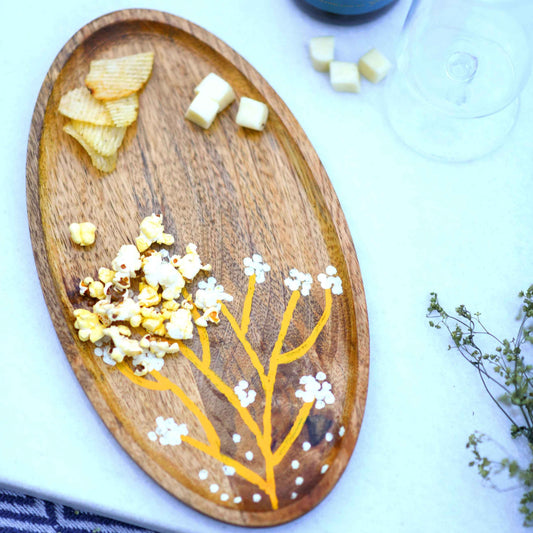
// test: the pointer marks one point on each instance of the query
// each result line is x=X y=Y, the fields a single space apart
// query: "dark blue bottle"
x=345 y=11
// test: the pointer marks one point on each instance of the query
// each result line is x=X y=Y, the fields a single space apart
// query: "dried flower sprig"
x=507 y=375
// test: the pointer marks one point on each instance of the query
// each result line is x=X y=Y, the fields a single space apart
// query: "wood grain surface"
x=233 y=192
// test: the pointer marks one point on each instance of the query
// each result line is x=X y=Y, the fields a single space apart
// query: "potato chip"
x=105 y=140
x=124 y=110
x=79 y=104
x=103 y=163
x=110 y=79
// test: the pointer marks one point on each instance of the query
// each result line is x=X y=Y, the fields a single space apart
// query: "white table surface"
x=418 y=226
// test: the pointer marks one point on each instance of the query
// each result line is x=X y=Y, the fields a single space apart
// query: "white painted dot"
x=256 y=498
x=324 y=469
x=249 y=455
x=295 y=464
x=203 y=474
x=331 y=270
x=299 y=480
x=214 y=488
x=321 y=376
x=99 y=352
x=306 y=446
x=236 y=438
x=329 y=437
x=294 y=495
x=228 y=470
x=341 y=431
x=152 y=436
x=224 y=497
x=237 y=499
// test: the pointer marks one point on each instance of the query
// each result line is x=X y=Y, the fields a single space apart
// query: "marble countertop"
x=463 y=230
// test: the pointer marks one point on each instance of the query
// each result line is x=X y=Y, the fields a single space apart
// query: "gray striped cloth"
x=24 y=514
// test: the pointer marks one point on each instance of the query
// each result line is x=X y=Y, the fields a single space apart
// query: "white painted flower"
x=316 y=388
x=255 y=265
x=169 y=432
x=209 y=298
x=245 y=397
x=104 y=353
x=330 y=280
x=299 y=281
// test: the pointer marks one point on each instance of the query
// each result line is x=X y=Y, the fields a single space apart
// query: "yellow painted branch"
x=285 y=323
x=246 y=345
x=247 y=307
x=295 y=430
x=202 y=333
x=206 y=424
x=138 y=380
x=293 y=355
x=204 y=340
x=227 y=391
x=243 y=471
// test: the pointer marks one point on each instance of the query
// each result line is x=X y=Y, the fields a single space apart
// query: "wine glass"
x=460 y=68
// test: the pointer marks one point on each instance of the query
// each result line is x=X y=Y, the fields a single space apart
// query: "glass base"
x=439 y=135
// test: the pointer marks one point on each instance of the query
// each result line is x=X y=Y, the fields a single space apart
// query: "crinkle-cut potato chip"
x=80 y=104
x=103 y=163
x=110 y=79
x=105 y=140
x=124 y=110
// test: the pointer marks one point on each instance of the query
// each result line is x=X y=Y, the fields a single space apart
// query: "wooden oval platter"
x=250 y=420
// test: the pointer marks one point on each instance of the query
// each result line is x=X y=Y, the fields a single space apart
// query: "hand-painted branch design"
x=315 y=393
x=168 y=323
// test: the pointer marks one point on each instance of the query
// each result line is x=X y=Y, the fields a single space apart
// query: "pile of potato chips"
x=102 y=110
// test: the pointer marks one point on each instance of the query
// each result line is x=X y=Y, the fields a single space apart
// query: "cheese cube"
x=217 y=89
x=344 y=77
x=202 y=111
x=83 y=233
x=251 y=114
x=374 y=66
x=321 y=50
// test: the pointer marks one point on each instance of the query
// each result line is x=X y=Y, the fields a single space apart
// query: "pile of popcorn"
x=158 y=307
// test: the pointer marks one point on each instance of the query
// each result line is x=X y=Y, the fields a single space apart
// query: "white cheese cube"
x=374 y=66
x=321 y=50
x=344 y=77
x=217 y=89
x=202 y=111
x=251 y=114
